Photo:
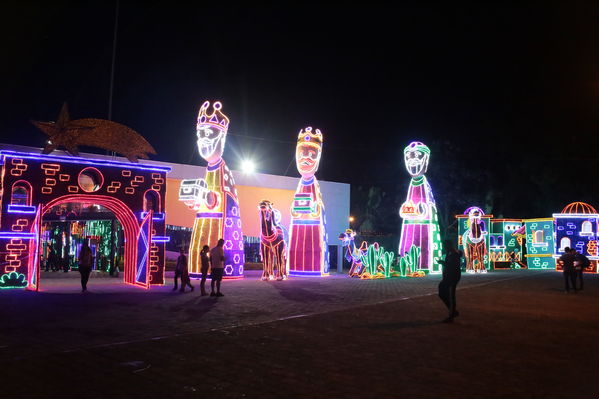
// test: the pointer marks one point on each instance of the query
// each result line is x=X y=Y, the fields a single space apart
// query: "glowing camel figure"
x=214 y=198
x=420 y=225
x=308 y=249
x=473 y=240
x=273 y=249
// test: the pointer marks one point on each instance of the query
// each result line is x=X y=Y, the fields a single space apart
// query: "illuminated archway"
x=124 y=215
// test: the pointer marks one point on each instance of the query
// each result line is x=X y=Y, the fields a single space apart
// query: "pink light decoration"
x=308 y=250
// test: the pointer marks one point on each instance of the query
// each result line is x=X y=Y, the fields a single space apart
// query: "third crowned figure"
x=214 y=198
x=420 y=234
x=308 y=250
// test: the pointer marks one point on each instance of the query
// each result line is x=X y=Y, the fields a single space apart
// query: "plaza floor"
x=518 y=335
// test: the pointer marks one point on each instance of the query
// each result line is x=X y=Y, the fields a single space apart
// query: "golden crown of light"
x=216 y=118
x=308 y=135
x=579 y=208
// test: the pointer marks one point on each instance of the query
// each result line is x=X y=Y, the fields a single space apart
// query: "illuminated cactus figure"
x=214 y=198
x=420 y=226
x=407 y=263
x=308 y=249
x=377 y=262
x=475 y=248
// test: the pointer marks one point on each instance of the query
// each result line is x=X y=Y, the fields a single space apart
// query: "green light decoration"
x=378 y=262
x=409 y=262
x=13 y=280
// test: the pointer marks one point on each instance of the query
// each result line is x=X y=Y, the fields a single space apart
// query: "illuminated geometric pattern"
x=540 y=243
x=576 y=227
x=504 y=242
x=52 y=180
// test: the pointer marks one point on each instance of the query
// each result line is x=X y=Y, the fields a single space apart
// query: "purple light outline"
x=210 y=215
x=78 y=160
x=156 y=216
x=12 y=234
x=21 y=208
x=161 y=238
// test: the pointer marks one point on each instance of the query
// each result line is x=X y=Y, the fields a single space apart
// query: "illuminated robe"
x=308 y=250
x=420 y=226
x=218 y=218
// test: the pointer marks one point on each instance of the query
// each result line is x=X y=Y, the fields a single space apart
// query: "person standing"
x=217 y=263
x=205 y=259
x=451 y=277
x=85 y=264
x=185 y=280
x=567 y=260
x=179 y=268
x=581 y=262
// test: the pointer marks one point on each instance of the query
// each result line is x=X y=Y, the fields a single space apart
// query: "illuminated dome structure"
x=579 y=208
x=576 y=227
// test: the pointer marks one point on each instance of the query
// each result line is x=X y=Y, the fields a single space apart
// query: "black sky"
x=501 y=82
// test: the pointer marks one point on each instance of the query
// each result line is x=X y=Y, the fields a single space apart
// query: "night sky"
x=507 y=93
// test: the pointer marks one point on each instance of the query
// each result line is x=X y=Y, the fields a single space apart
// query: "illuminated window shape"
x=564 y=242
x=538 y=238
x=21 y=193
x=586 y=229
x=90 y=179
x=151 y=201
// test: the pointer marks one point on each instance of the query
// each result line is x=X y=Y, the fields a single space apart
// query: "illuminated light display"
x=420 y=223
x=576 y=227
x=474 y=239
x=503 y=242
x=408 y=264
x=214 y=197
x=352 y=253
x=30 y=193
x=377 y=262
x=21 y=209
x=540 y=243
x=308 y=249
x=13 y=280
x=273 y=249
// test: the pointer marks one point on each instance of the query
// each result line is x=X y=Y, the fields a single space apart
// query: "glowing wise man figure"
x=214 y=198
x=420 y=226
x=308 y=250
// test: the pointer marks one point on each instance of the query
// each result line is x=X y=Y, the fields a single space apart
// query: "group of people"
x=213 y=260
x=573 y=265
x=572 y=261
x=52 y=261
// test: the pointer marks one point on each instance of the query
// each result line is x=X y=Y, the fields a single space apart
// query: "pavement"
x=518 y=335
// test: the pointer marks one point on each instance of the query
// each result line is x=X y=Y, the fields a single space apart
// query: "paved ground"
x=518 y=335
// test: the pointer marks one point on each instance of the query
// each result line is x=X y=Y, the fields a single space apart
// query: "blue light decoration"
x=576 y=227
x=21 y=209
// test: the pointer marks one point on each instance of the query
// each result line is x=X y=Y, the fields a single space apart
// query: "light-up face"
x=416 y=159
x=211 y=142
x=307 y=158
